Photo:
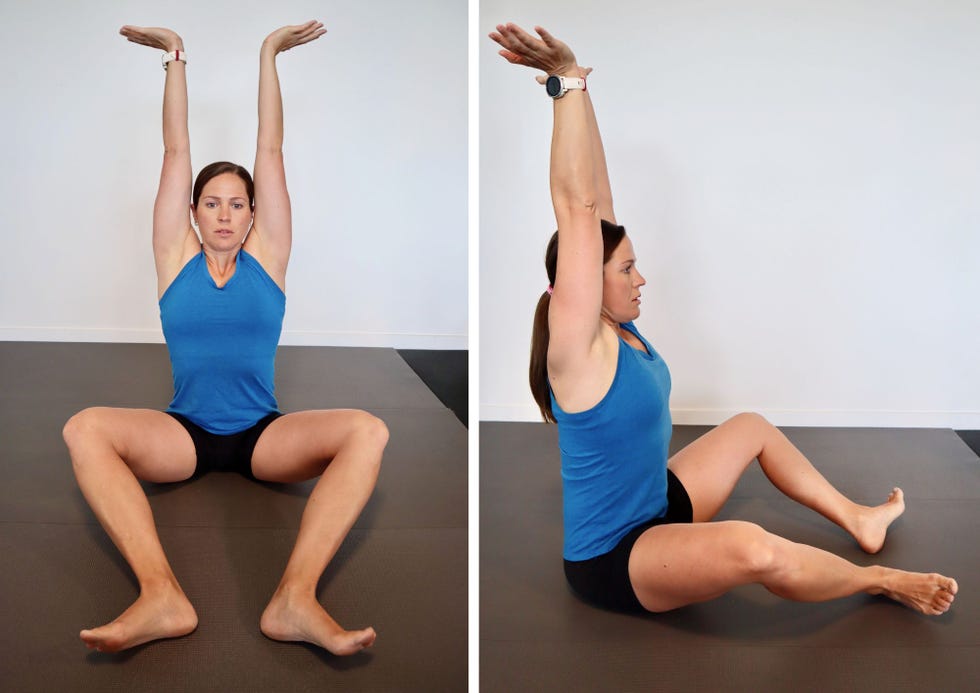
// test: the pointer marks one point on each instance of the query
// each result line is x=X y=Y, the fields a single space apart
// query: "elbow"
x=580 y=205
x=269 y=148
x=176 y=149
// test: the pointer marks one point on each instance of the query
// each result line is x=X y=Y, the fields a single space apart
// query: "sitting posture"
x=222 y=300
x=638 y=529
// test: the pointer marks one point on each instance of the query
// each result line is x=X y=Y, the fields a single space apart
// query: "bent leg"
x=110 y=449
x=710 y=467
x=344 y=447
x=680 y=564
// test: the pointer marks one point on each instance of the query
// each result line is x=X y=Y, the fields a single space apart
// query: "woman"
x=221 y=304
x=637 y=526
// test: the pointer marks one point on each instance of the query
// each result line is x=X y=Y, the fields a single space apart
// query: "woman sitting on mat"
x=637 y=530
x=221 y=304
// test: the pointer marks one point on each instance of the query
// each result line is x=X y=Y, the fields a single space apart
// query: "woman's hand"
x=547 y=53
x=154 y=37
x=291 y=36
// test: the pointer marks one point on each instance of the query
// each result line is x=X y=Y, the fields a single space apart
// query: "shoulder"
x=272 y=264
x=248 y=262
x=167 y=276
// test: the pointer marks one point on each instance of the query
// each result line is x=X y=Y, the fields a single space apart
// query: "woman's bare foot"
x=158 y=613
x=872 y=524
x=293 y=616
x=929 y=593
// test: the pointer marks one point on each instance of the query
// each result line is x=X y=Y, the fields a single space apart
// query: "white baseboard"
x=81 y=334
x=289 y=337
x=391 y=340
x=959 y=420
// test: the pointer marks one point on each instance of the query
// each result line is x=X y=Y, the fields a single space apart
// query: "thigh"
x=710 y=467
x=299 y=446
x=154 y=445
x=679 y=564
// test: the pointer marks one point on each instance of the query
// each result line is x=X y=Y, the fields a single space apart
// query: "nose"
x=224 y=213
x=639 y=279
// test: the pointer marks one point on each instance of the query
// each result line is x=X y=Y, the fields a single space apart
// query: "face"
x=621 y=283
x=223 y=214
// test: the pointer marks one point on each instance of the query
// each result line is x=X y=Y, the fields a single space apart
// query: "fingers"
x=524 y=38
x=512 y=58
x=297 y=35
x=548 y=39
x=545 y=53
x=155 y=37
x=309 y=31
x=134 y=34
x=514 y=38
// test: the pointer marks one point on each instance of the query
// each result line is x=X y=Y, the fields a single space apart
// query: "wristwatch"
x=173 y=55
x=557 y=86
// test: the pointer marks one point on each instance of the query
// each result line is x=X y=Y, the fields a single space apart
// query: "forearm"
x=175 y=134
x=270 y=102
x=573 y=170
x=604 y=200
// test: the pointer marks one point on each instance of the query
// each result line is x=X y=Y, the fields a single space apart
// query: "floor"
x=402 y=568
x=535 y=635
x=972 y=439
x=446 y=373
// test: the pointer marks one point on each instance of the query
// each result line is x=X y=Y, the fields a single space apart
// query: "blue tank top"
x=222 y=344
x=614 y=455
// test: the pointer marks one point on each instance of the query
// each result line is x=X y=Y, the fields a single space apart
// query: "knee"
x=757 y=552
x=371 y=430
x=751 y=419
x=83 y=426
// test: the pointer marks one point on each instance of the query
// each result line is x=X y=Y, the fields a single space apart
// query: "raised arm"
x=604 y=199
x=270 y=239
x=173 y=237
x=579 y=198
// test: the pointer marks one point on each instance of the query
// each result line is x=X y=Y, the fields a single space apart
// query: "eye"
x=238 y=205
x=210 y=205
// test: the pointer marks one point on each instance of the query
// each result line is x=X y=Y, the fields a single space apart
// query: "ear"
x=193 y=214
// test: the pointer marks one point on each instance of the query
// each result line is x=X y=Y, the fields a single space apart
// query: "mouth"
x=224 y=232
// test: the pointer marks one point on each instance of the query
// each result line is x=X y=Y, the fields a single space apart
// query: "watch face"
x=553 y=86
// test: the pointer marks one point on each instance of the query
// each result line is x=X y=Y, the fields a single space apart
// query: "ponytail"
x=539 y=358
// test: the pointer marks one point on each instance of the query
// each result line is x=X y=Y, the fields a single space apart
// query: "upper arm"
x=270 y=239
x=173 y=237
x=576 y=301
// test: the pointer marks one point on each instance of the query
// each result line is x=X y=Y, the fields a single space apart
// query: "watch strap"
x=173 y=55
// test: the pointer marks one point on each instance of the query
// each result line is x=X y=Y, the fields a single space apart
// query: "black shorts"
x=605 y=580
x=230 y=453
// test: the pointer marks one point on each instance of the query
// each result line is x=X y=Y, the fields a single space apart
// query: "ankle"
x=296 y=589
x=880 y=579
x=151 y=585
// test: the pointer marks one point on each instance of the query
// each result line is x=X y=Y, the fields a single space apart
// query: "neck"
x=612 y=323
x=221 y=261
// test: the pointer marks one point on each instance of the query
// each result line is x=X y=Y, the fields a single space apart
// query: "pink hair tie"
x=550 y=289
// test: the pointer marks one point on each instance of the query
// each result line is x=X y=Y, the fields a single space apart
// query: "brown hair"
x=216 y=169
x=612 y=236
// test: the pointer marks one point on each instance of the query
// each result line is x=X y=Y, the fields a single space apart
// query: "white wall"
x=375 y=147
x=801 y=182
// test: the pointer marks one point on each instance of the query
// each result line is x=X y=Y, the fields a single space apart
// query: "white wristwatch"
x=557 y=86
x=173 y=55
